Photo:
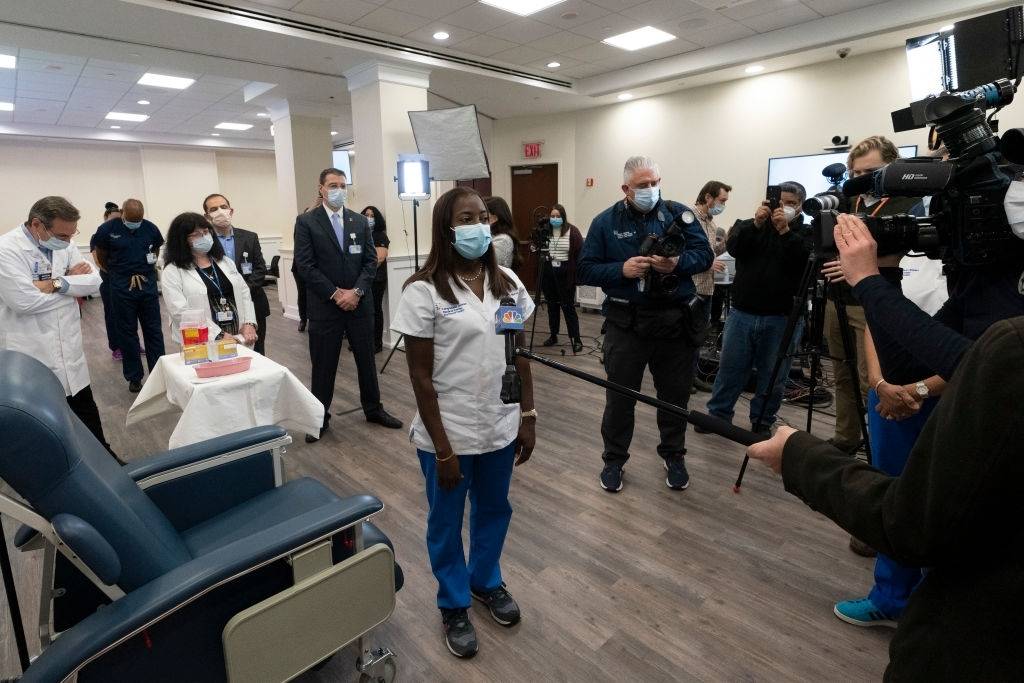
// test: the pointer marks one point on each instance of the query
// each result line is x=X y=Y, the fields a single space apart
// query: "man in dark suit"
x=337 y=260
x=242 y=247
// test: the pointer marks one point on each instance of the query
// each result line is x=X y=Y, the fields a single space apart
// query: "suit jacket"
x=248 y=242
x=325 y=265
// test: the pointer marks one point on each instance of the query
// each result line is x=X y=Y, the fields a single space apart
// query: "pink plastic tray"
x=218 y=368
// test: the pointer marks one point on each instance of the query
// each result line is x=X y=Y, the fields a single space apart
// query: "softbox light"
x=450 y=139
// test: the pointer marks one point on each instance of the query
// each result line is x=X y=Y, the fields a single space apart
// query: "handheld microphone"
x=508 y=320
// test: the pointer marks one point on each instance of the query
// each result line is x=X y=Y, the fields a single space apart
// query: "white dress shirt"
x=469 y=361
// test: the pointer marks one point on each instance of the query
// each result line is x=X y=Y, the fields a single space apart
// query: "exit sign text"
x=531 y=150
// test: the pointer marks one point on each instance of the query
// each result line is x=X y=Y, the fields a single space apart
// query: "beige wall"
x=168 y=180
x=725 y=132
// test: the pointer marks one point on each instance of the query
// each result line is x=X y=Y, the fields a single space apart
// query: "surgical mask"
x=370 y=221
x=716 y=210
x=472 y=241
x=645 y=198
x=790 y=212
x=337 y=196
x=132 y=225
x=203 y=244
x=556 y=222
x=221 y=218
x=1013 y=205
x=54 y=244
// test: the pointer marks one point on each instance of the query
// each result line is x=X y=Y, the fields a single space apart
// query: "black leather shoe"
x=382 y=418
x=135 y=387
x=577 y=345
x=550 y=341
x=302 y=326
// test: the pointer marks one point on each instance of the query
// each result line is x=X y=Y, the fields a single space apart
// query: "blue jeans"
x=486 y=478
x=891 y=442
x=751 y=342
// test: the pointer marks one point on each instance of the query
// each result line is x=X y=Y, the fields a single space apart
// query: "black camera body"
x=540 y=238
x=669 y=244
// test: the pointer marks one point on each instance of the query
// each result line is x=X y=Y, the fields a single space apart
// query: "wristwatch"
x=56 y=284
x=359 y=292
x=922 y=389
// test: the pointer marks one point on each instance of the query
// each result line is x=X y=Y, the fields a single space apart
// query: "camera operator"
x=771 y=253
x=865 y=157
x=646 y=327
x=710 y=203
x=954 y=508
x=558 y=277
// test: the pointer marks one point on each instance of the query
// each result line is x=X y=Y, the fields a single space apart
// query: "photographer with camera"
x=648 y=311
x=558 y=276
x=770 y=252
x=955 y=507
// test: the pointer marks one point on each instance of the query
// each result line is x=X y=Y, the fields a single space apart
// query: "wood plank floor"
x=646 y=585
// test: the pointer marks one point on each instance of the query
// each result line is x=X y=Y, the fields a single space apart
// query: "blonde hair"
x=876 y=142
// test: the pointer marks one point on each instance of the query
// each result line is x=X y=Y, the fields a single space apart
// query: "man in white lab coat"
x=41 y=273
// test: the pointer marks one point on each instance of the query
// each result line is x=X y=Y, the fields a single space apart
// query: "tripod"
x=543 y=257
x=814 y=291
x=416 y=262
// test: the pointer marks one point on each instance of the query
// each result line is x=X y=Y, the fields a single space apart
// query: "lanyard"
x=215 y=281
x=882 y=202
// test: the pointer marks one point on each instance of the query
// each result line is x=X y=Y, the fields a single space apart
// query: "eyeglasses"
x=63 y=238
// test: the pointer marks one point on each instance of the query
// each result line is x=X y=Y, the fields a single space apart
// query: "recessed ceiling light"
x=947 y=28
x=263 y=115
x=233 y=126
x=334 y=132
x=6 y=106
x=625 y=96
x=143 y=102
x=8 y=61
x=161 y=81
x=754 y=69
x=122 y=116
x=522 y=7
x=216 y=135
x=441 y=35
x=554 y=65
x=115 y=127
x=639 y=39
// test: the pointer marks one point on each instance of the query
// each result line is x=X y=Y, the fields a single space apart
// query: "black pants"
x=560 y=293
x=83 y=405
x=300 y=288
x=626 y=355
x=325 y=339
x=260 y=346
x=108 y=315
x=718 y=305
x=131 y=311
x=379 y=288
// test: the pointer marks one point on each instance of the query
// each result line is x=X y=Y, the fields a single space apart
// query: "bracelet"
x=878 y=384
x=528 y=413
x=436 y=459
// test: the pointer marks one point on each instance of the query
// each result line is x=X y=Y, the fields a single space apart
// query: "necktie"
x=336 y=222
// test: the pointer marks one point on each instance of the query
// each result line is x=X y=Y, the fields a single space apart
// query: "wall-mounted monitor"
x=806 y=169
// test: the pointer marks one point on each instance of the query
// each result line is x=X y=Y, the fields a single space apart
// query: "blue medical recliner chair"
x=197 y=564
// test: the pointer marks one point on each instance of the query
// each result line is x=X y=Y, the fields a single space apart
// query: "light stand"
x=413 y=180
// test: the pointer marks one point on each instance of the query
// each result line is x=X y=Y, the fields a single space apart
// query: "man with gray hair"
x=650 y=319
x=41 y=274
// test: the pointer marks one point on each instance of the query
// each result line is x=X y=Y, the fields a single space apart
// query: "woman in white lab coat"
x=467 y=440
x=41 y=274
x=198 y=276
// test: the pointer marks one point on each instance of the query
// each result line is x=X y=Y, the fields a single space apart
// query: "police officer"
x=126 y=248
x=648 y=325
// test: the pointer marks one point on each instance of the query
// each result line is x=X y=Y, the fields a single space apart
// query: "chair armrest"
x=151 y=602
x=195 y=483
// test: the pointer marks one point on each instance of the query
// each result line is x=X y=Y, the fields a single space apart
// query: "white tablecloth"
x=266 y=394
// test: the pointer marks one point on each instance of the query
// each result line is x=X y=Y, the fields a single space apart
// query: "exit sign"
x=531 y=150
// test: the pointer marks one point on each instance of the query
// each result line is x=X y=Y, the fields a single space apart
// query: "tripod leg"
x=393 y=349
x=850 y=349
x=540 y=297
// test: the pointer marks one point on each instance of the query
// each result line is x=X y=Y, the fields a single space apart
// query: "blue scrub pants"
x=131 y=311
x=486 y=478
x=891 y=442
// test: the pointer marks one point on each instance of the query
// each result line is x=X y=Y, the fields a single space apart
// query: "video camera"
x=669 y=244
x=967 y=224
x=540 y=238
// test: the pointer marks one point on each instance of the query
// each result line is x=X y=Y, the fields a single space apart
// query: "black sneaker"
x=459 y=634
x=503 y=608
x=550 y=341
x=678 y=478
x=611 y=478
x=135 y=387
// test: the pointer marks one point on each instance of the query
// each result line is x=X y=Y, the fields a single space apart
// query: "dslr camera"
x=669 y=244
x=540 y=238
x=967 y=224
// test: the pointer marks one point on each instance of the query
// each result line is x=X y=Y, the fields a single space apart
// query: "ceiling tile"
x=561 y=42
x=332 y=10
x=48 y=57
x=107 y=85
x=46 y=66
x=655 y=11
x=567 y=63
x=6 y=116
x=521 y=55
x=8 y=78
x=594 y=53
x=585 y=12
x=432 y=9
x=585 y=70
x=479 y=17
x=830 y=7
x=392 y=22
x=425 y=35
x=783 y=18
x=484 y=46
x=757 y=7
x=605 y=27
x=44 y=94
x=619 y=5
x=43 y=117
x=113 y=74
x=80 y=118
x=281 y=4
x=523 y=30
x=718 y=34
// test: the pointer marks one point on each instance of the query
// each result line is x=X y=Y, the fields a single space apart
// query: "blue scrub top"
x=127 y=251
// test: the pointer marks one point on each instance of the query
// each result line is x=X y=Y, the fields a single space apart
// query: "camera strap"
x=881 y=202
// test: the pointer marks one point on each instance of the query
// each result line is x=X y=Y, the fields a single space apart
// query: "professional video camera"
x=967 y=224
x=669 y=244
x=540 y=238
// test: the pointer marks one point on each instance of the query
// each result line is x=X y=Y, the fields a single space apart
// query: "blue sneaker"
x=862 y=613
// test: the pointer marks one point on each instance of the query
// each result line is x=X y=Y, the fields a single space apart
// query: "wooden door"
x=481 y=185
x=534 y=190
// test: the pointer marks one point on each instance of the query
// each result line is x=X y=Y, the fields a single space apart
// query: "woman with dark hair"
x=503 y=233
x=558 y=277
x=198 y=276
x=467 y=440
x=380 y=281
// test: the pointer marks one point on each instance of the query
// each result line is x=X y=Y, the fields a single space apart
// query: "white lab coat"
x=47 y=327
x=184 y=290
x=469 y=361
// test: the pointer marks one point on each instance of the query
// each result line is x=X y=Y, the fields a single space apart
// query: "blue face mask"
x=54 y=244
x=716 y=210
x=472 y=241
x=646 y=197
x=556 y=222
x=203 y=244
x=132 y=226
x=337 y=196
